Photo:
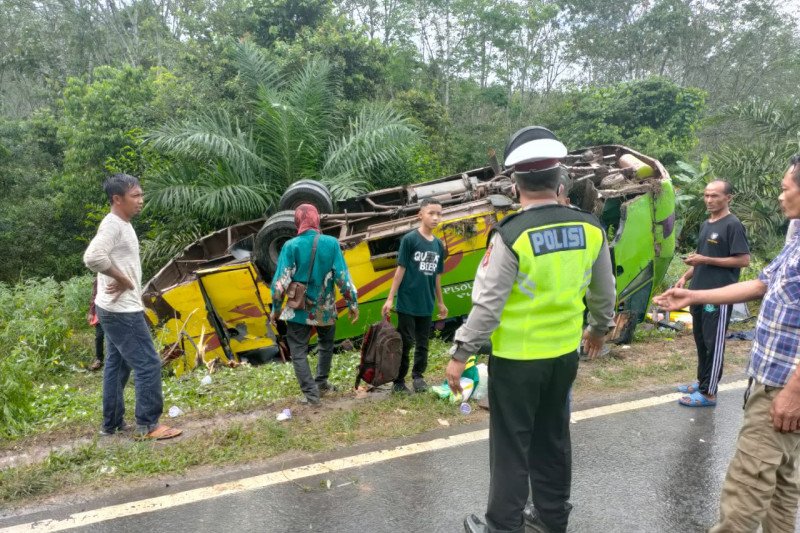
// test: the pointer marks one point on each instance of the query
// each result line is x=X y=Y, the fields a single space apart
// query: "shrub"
x=37 y=320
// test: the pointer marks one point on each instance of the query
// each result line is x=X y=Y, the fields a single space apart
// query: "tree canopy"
x=219 y=105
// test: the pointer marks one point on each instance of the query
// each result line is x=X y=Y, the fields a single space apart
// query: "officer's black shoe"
x=473 y=524
x=533 y=523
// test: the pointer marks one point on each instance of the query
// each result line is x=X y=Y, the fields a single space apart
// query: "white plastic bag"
x=483 y=382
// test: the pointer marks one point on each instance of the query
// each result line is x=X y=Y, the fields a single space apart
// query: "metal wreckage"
x=210 y=302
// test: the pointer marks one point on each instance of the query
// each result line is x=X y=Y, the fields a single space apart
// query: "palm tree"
x=764 y=136
x=228 y=171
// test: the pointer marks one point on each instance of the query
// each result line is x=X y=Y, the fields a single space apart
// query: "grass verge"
x=657 y=359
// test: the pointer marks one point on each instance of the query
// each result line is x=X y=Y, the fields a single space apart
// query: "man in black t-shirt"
x=417 y=283
x=722 y=251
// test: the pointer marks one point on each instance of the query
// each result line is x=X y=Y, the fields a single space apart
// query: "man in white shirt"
x=114 y=255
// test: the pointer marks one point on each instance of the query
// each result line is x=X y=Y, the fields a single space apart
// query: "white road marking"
x=275 y=478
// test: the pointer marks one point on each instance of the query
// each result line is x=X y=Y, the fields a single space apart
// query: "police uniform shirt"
x=495 y=279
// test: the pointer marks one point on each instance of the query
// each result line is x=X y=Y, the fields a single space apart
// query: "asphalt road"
x=654 y=469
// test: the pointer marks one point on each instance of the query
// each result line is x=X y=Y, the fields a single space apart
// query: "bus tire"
x=278 y=229
x=307 y=192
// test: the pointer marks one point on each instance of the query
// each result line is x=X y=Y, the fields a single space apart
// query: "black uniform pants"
x=414 y=330
x=529 y=442
x=709 y=325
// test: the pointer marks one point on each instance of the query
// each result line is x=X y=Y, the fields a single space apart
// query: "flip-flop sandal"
x=161 y=432
x=690 y=388
x=696 y=399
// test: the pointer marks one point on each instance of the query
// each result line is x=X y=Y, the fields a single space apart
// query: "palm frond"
x=278 y=135
x=379 y=135
x=777 y=120
x=754 y=169
x=255 y=68
x=214 y=194
x=314 y=93
x=294 y=126
x=168 y=242
x=345 y=185
x=209 y=137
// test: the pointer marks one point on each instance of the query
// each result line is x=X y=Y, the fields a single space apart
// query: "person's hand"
x=454 y=370
x=387 y=308
x=116 y=287
x=353 y=315
x=442 y=311
x=674 y=299
x=785 y=410
x=694 y=259
x=681 y=283
x=592 y=343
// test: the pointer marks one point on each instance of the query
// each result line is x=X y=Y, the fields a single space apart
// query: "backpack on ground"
x=381 y=353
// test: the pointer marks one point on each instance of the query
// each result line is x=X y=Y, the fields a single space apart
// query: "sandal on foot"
x=696 y=399
x=690 y=388
x=161 y=432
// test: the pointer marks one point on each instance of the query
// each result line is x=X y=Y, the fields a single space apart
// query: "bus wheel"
x=278 y=229
x=307 y=192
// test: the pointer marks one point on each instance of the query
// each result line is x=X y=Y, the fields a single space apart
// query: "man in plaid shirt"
x=762 y=486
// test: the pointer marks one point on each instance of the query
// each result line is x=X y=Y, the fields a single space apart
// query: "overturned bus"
x=212 y=300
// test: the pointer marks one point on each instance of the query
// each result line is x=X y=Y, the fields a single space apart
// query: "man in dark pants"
x=529 y=296
x=722 y=251
x=113 y=254
x=418 y=284
x=327 y=269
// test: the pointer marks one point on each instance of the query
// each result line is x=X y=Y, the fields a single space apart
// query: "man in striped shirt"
x=762 y=486
x=722 y=251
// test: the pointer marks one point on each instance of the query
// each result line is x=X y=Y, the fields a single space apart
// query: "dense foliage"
x=37 y=320
x=219 y=106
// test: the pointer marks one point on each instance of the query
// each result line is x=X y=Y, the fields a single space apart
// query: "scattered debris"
x=286 y=414
x=401 y=411
x=175 y=411
x=465 y=408
x=206 y=380
x=443 y=422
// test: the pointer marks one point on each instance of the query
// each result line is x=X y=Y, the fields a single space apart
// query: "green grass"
x=74 y=408
x=100 y=464
x=73 y=404
x=615 y=376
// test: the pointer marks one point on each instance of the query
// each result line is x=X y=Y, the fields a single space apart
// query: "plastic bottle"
x=465 y=408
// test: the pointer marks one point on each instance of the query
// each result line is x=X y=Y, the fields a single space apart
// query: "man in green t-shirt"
x=418 y=284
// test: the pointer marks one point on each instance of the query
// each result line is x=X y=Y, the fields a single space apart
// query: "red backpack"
x=381 y=352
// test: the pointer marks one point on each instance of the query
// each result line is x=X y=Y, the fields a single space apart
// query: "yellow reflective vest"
x=556 y=247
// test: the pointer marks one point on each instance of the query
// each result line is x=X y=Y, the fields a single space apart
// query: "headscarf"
x=306 y=217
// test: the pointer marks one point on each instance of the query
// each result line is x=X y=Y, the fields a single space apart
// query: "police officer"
x=529 y=296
